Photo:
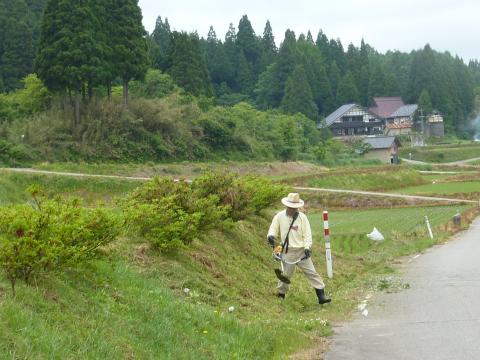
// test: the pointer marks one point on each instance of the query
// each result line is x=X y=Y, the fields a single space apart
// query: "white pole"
x=429 y=227
x=328 y=251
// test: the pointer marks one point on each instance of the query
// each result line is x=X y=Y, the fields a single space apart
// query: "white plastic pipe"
x=328 y=251
x=429 y=227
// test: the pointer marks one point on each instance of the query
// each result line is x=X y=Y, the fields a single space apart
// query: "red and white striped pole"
x=328 y=251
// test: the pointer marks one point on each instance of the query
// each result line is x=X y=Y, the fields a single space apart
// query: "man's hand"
x=308 y=253
x=271 y=240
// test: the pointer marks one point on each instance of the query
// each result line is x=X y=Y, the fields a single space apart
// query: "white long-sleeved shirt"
x=300 y=235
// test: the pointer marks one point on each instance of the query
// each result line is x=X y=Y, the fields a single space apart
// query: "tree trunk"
x=90 y=91
x=77 y=110
x=125 y=92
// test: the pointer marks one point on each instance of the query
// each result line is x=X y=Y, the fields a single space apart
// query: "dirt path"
x=70 y=174
x=132 y=178
x=371 y=193
x=457 y=163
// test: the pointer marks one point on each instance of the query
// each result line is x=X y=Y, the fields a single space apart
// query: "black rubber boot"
x=281 y=296
x=322 y=299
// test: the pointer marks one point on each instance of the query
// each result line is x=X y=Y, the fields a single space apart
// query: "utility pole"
x=422 y=121
x=422 y=125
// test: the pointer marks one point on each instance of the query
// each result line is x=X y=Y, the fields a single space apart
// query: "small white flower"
x=231 y=309
x=186 y=291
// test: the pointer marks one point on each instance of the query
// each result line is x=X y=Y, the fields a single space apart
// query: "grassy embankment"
x=442 y=153
x=185 y=169
x=132 y=304
x=463 y=185
x=383 y=178
x=13 y=187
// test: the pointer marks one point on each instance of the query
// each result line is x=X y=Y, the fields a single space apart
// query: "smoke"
x=476 y=128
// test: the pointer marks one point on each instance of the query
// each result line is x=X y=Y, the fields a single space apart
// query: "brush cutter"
x=278 y=255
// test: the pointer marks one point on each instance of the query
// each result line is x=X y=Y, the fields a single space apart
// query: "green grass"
x=404 y=229
x=113 y=312
x=438 y=177
x=388 y=221
x=131 y=303
x=13 y=187
x=379 y=179
x=442 y=153
x=183 y=169
x=463 y=187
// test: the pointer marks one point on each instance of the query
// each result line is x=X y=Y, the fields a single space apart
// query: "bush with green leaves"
x=170 y=215
x=243 y=195
x=14 y=154
x=155 y=85
x=51 y=235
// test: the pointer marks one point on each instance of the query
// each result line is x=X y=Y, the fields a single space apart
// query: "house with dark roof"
x=383 y=148
x=353 y=119
x=397 y=115
x=384 y=107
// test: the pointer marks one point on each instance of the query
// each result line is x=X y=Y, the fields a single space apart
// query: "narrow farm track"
x=465 y=162
x=372 y=193
x=70 y=174
x=133 y=178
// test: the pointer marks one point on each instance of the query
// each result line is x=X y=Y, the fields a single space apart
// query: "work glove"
x=271 y=240
x=308 y=253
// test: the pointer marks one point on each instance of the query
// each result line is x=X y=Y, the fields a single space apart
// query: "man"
x=293 y=230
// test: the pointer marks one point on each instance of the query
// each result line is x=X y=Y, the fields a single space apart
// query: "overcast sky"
x=385 y=24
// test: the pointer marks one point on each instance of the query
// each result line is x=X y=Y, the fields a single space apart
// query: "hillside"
x=136 y=302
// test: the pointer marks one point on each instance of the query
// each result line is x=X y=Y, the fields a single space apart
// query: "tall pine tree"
x=298 y=95
x=347 y=92
x=162 y=35
x=248 y=48
x=188 y=66
x=70 y=54
x=335 y=77
x=127 y=41
x=269 y=48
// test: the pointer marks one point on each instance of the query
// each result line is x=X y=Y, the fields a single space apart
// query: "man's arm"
x=274 y=230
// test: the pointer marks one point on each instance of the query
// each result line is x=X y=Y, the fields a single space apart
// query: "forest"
x=86 y=59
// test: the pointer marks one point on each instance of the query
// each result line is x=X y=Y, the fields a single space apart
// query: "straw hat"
x=293 y=201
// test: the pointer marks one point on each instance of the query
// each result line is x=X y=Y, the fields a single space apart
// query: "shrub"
x=168 y=214
x=172 y=214
x=14 y=154
x=265 y=194
x=243 y=195
x=51 y=235
x=155 y=85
